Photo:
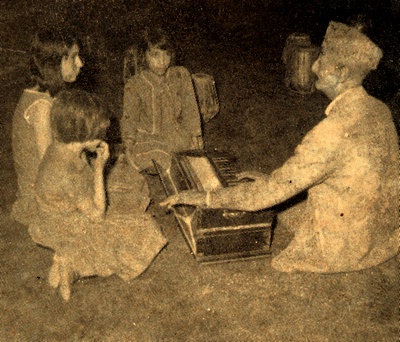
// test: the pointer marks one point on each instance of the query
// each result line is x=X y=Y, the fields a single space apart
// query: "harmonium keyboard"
x=215 y=235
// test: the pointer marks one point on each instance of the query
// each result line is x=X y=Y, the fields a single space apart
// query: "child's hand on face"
x=91 y=145
x=103 y=153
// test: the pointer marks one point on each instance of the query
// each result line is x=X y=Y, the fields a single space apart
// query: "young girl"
x=160 y=110
x=55 y=61
x=70 y=194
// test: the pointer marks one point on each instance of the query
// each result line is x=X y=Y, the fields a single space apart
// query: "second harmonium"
x=215 y=235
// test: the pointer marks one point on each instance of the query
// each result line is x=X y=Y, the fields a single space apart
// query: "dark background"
x=113 y=24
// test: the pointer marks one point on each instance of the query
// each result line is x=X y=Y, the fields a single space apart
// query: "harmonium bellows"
x=215 y=235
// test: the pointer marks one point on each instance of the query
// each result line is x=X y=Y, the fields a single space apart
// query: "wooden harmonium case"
x=215 y=235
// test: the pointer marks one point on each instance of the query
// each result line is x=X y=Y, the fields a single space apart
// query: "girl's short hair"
x=48 y=49
x=78 y=116
x=157 y=38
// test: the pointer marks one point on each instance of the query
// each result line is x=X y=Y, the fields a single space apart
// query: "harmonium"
x=215 y=235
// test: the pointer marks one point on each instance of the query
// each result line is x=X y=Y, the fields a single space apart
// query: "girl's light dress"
x=125 y=243
x=25 y=151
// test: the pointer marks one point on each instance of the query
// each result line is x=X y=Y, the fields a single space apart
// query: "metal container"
x=294 y=41
x=206 y=94
x=299 y=76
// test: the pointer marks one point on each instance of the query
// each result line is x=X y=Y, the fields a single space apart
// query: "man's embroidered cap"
x=350 y=46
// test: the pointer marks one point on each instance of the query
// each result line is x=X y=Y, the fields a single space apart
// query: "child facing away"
x=55 y=61
x=160 y=112
x=73 y=221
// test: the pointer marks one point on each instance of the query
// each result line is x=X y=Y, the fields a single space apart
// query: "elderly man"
x=349 y=163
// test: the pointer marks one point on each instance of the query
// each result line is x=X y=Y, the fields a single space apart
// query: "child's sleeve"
x=79 y=192
x=132 y=109
x=38 y=116
x=191 y=121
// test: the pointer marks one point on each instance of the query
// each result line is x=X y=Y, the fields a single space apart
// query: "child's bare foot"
x=54 y=274
x=66 y=279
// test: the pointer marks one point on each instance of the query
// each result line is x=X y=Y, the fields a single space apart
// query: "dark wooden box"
x=216 y=235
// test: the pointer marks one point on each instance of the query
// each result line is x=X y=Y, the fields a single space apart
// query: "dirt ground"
x=178 y=299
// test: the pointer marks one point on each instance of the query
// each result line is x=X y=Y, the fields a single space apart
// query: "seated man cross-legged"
x=348 y=163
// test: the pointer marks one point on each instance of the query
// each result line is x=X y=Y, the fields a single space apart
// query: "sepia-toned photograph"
x=199 y=170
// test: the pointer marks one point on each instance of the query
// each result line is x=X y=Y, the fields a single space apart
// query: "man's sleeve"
x=314 y=160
